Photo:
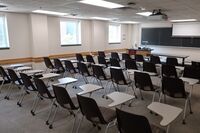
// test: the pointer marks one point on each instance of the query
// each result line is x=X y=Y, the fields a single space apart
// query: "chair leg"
x=160 y=98
x=51 y=125
x=9 y=91
x=185 y=109
x=134 y=91
x=21 y=98
x=35 y=104
x=49 y=115
x=190 y=106
x=79 y=125
x=142 y=98
x=2 y=85
x=154 y=94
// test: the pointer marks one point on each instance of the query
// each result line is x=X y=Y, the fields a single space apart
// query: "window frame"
x=120 y=32
x=78 y=35
x=6 y=34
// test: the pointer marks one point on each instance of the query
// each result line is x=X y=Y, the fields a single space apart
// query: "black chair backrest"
x=149 y=67
x=143 y=81
x=131 y=123
x=191 y=72
x=42 y=88
x=83 y=70
x=115 y=55
x=69 y=66
x=90 y=109
x=114 y=62
x=131 y=64
x=172 y=61
x=117 y=76
x=98 y=72
x=27 y=82
x=173 y=87
x=139 y=58
x=4 y=74
x=13 y=76
x=63 y=98
x=169 y=71
x=79 y=57
x=48 y=63
x=102 y=60
x=90 y=59
x=196 y=64
x=59 y=66
x=155 y=59
x=101 y=53
x=125 y=56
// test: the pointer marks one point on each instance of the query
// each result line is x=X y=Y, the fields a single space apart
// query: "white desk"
x=132 y=71
x=119 y=98
x=89 y=88
x=13 y=66
x=74 y=61
x=49 y=75
x=169 y=113
x=190 y=81
x=114 y=67
x=66 y=81
x=33 y=72
x=24 y=68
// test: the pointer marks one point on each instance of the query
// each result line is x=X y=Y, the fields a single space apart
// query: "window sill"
x=115 y=43
x=66 y=45
x=5 y=48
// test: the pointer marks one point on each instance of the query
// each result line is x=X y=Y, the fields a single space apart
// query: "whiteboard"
x=187 y=29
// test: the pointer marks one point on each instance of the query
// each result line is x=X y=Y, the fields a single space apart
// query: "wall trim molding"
x=40 y=59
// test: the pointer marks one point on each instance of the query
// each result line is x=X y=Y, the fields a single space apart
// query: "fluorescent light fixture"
x=129 y=22
x=49 y=12
x=144 y=13
x=101 y=3
x=101 y=18
x=184 y=20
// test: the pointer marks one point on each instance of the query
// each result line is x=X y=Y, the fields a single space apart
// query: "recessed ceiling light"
x=144 y=13
x=101 y=18
x=183 y=20
x=49 y=12
x=129 y=22
x=101 y=3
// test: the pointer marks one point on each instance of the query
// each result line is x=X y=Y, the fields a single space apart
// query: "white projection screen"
x=188 y=29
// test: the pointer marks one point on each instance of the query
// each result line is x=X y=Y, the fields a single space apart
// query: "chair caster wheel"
x=27 y=92
x=47 y=122
x=183 y=122
x=6 y=97
x=50 y=127
x=94 y=125
x=191 y=112
x=99 y=128
x=19 y=104
x=33 y=113
x=151 y=112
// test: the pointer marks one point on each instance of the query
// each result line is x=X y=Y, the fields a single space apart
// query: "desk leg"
x=183 y=62
x=168 y=129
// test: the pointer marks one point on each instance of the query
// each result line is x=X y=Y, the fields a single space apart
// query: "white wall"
x=19 y=37
x=193 y=53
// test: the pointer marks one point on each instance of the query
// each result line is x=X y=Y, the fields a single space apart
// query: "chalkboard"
x=163 y=37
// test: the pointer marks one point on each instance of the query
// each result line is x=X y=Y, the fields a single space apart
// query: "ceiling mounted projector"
x=157 y=15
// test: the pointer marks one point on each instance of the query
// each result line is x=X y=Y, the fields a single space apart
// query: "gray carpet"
x=19 y=119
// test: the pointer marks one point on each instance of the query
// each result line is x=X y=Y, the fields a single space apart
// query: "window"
x=70 y=32
x=4 y=43
x=114 y=33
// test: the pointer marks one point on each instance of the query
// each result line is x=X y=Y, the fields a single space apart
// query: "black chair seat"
x=108 y=114
x=75 y=102
x=156 y=129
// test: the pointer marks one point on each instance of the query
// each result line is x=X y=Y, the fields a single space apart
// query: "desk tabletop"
x=33 y=72
x=132 y=71
x=169 y=113
x=171 y=55
x=119 y=98
x=66 y=80
x=23 y=68
x=49 y=75
x=89 y=88
x=190 y=81
x=13 y=66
